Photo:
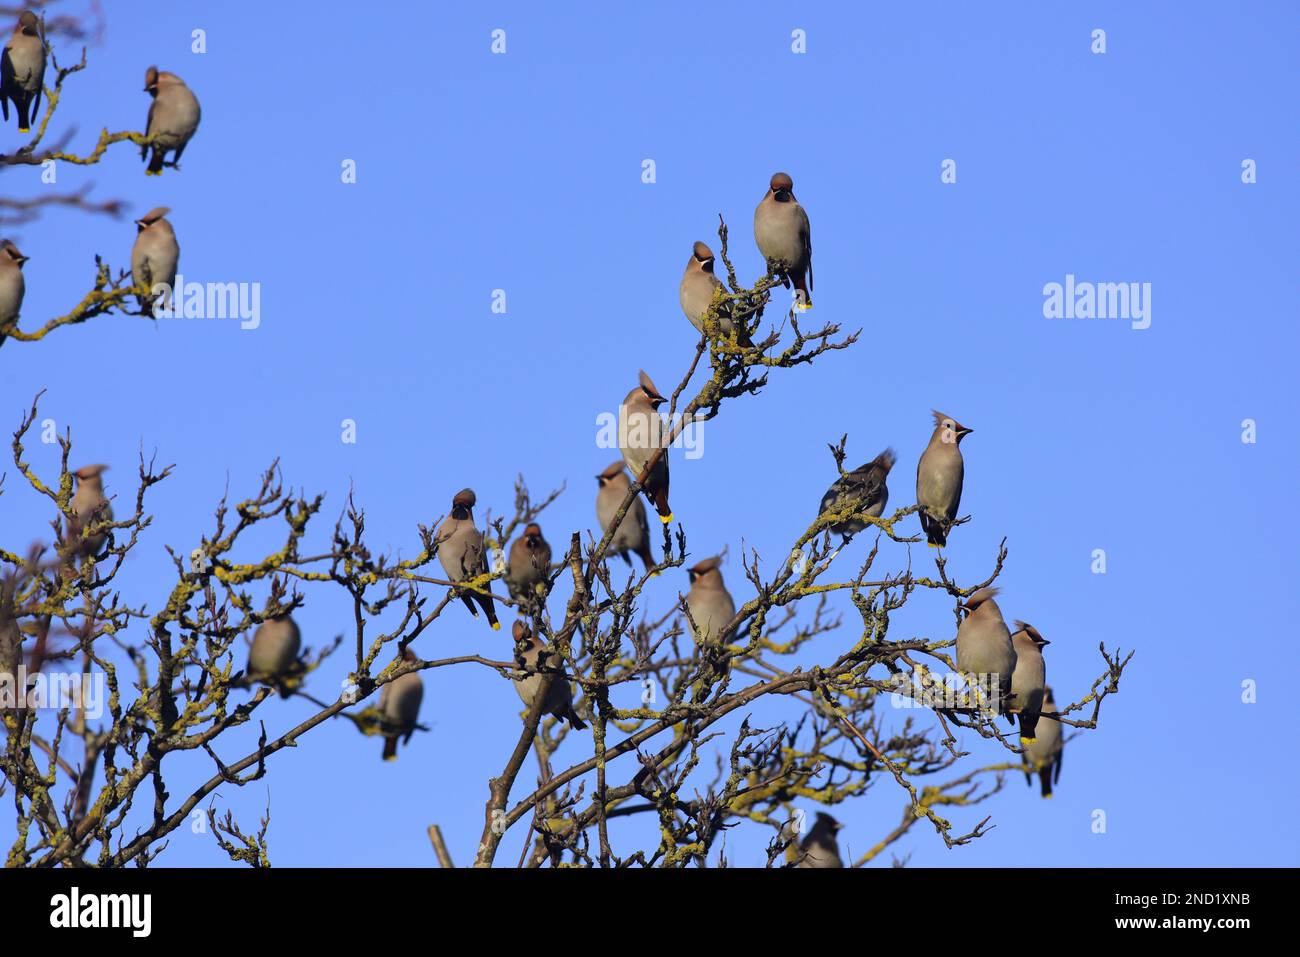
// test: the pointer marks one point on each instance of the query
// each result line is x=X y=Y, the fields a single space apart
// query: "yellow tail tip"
x=496 y=626
x=24 y=129
x=804 y=306
x=1047 y=797
x=931 y=545
x=666 y=518
x=1024 y=740
x=390 y=757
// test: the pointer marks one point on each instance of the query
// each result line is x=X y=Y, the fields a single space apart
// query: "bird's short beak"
x=22 y=259
x=964 y=431
x=1043 y=641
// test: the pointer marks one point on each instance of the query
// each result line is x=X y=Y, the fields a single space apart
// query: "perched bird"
x=12 y=285
x=89 y=507
x=864 y=490
x=633 y=533
x=1044 y=753
x=399 y=707
x=532 y=654
x=640 y=435
x=984 y=646
x=784 y=237
x=274 y=652
x=461 y=554
x=173 y=117
x=939 y=476
x=710 y=604
x=696 y=292
x=528 y=565
x=155 y=255
x=22 y=71
x=1029 y=678
x=819 y=847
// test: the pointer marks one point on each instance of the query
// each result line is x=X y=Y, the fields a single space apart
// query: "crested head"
x=408 y=655
x=885 y=460
x=982 y=598
x=89 y=473
x=701 y=252
x=151 y=80
x=27 y=22
x=613 y=471
x=948 y=429
x=781 y=182
x=533 y=530
x=1030 y=632
x=827 y=823
x=707 y=570
x=11 y=252
x=648 y=387
x=151 y=217
x=465 y=497
x=521 y=632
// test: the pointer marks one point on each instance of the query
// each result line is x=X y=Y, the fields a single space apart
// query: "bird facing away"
x=12 y=285
x=710 y=604
x=532 y=654
x=784 y=237
x=528 y=565
x=1029 y=679
x=633 y=533
x=984 y=646
x=864 y=490
x=461 y=553
x=640 y=436
x=697 y=289
x=274 y=653
x=1044 y=753
x=89 y=508
x=820 y=848
x=22 y=71
x=399 y=708
x=939 y=476
x=173 y=117
x=155 y=255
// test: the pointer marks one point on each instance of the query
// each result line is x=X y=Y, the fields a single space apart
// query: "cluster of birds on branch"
x=173 y=118
x=1011 y=663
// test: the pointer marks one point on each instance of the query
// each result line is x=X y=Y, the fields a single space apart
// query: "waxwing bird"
x=22 y=71
x=89 y=508
x=399 y=708
x=532 y=654
x=711 y=605
x=633 y=533
x=173 y=117
x=640 y=436
x=155 y=255
x=820 y=847
x=1029 y=678
x=939 y=476
x=784 y=237
x=697 y=289
x=12 y=285
x=274 y=652
x=1044 y=753
x=864 y=490
x=529 y=564
x=461 y=553
x=984 y=646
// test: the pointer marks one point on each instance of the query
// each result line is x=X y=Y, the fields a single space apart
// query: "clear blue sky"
x=523 y=172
